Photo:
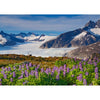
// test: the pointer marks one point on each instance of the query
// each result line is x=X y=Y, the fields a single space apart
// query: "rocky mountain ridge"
x=85 y=51
x=89 y=34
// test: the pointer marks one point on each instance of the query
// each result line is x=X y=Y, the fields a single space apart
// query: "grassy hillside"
x=7 y=59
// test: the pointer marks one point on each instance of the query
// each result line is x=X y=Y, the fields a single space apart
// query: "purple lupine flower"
x=20 y=67
x=75 y=59
x=72 y=75
x=46 y=71
x=26 y=73
x=34 y=65
x=82 y=60
x=79 y=77
x=27 y=67
x=49 y=70
x=58 y=70
x=95 y=64
x=64 y=66
x=76 y=66
x=52 y=72
x=14 y=74
x=22 y=72
x=96 y=69
x=90 y=62
x=61 y=68
x=0 y=79
x=80 y=65
x=10 y=73
x=9 y=69
x=64 y=73
x=67 y=69
x=86 y=73
x=81 y=69
x=25 y=82
x=6 y=69
x=84 y=82
x=57 y=77
x=96 y=75
x=85 y=69
x=36 y=74
x=3 y=68
x=98 y=60
x=86 y=59
x=5 y=76
x=36 y=69
x=32 y=72
x=0 y=83
x=30 y=64
x=14 y=67
x=3 y=72
x=38 y=66
x=11 y=79
x=54 y=68
x=73 y=67
x=42 y=70
x=20 y=77
x=84 y=63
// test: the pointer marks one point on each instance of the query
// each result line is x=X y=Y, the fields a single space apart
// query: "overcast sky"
x=48 y=24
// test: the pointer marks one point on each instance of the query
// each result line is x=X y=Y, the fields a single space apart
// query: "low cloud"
x=63 y=23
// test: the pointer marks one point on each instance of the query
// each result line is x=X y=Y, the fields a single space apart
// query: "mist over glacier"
x=32 y=47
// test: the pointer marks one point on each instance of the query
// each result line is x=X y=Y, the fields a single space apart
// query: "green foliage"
x=60 y=63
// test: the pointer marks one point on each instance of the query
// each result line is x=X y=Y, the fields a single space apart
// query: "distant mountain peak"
x=90 y=24
x=98 y=23
x=8 y=39
x=1 y=31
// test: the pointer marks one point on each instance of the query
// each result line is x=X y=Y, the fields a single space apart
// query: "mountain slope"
x=7 y=39
x=85 y=51
x=62 y=40
x=89 y=34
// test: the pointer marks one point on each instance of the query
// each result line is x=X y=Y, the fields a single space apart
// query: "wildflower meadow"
x=69 y=72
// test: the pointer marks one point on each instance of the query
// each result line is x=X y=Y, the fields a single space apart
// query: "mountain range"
x=12 y=39
x=87 y=35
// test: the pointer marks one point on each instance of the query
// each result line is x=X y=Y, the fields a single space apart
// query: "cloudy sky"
x=48 y=24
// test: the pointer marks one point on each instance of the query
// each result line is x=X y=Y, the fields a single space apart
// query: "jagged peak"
x=1 y=31
x=90 y=24
x=98 y=23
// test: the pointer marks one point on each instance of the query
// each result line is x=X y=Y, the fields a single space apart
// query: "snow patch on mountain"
x=80 y=35
x=95 y=31
x=2 y=40
x=38 y=38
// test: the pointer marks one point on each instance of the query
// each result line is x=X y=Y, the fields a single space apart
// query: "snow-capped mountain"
x=29 y=36
x=89 y=34
x=12 y=39
x=7 y=39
